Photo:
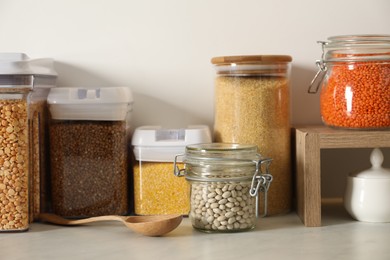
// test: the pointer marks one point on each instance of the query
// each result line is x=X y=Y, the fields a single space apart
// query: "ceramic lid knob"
x=376 y=158
x=376 y=171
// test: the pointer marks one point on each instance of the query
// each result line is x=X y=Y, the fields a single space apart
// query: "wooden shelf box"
x=309 y=141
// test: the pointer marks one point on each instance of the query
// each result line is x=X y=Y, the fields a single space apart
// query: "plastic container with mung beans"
x=89 y=135
x=354 y=76
x=252 y=106
x=225 y=180
x=24 y=86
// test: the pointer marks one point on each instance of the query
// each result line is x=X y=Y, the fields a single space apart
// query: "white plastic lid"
x=21 y=64
x=157 y=144
x=109 y=104
x=376 y=171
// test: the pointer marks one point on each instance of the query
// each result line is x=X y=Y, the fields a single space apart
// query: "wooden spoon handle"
x=55 y=219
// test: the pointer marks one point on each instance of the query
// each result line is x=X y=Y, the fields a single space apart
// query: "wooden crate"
x=309 y=140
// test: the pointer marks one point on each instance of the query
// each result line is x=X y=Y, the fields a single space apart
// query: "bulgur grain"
x=255 y=110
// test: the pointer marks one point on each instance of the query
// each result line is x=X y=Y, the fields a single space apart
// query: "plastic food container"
x=156 y=189
x=354 y=76
x=252 y=106
x=24 y=85
x=367 y=194
x=89 y=134
x=225 y=180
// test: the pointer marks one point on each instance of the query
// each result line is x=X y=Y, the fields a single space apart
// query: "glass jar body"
x=355 y=79
x=222 y=206
x=252 y=105
x=356 y=95
x=224 y=182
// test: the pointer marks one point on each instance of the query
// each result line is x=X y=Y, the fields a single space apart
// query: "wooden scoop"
x=156 y=225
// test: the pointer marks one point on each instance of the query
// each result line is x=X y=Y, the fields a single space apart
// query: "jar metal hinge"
x=316 y=82
x=261 y=182
x=177 y=171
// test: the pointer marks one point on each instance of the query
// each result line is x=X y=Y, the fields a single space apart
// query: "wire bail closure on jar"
x=176 y=170
x=260 y=180
x=316 y=82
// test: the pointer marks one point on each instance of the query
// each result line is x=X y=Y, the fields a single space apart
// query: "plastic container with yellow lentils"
x=156 y=189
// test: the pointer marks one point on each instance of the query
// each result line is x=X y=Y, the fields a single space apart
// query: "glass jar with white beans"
x=225 y=180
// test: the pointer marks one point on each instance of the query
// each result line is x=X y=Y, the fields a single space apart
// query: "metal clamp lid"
x=350 y=48
x=261 y=181
x=176 y=170
x=315 y=83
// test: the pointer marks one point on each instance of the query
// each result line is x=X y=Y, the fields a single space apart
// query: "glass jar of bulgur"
x=225 y=180
x=156 y=190
x=354 y=76
x=252 y=106
x=24 y=86
x=89 y=132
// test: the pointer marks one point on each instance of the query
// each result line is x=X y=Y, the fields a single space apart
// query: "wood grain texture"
x=309 y=142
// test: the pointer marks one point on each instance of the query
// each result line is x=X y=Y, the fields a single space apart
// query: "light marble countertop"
x=277 y=237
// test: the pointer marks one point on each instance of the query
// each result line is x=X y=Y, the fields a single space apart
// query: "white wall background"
x=162 y=50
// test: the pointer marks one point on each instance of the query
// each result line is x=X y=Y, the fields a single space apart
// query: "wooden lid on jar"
x=251 y=59
x=252 y=65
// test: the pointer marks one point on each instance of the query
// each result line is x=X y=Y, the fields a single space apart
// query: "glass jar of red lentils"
x=354 y=77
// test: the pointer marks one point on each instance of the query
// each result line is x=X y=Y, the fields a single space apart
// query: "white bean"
x=227 y=194
x=222 y=206
x=214 y=205
x=221 y=218
x=222 y=201
x=211 y=195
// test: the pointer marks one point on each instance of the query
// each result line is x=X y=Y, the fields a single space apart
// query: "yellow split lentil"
x=158 y=191
x=14 y=166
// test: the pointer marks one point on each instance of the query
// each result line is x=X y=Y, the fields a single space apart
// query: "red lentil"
x=355 y=75
x=357 y=95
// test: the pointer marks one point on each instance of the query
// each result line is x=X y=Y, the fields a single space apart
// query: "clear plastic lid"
x=21 y=64
x=157 y=144
x=109 y=103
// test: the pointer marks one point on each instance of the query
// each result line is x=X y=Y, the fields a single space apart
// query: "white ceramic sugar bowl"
x=367 y=193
